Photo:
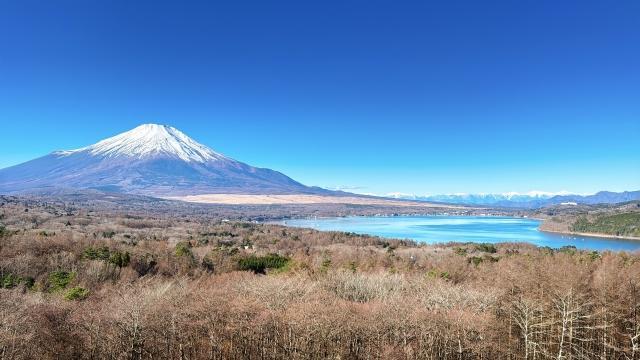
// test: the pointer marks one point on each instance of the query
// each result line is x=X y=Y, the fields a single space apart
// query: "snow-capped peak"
x=151 y=140
x=536 y=194
x=485 y=198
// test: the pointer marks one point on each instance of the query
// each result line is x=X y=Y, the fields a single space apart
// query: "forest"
x=624 y=224
x=97 y=283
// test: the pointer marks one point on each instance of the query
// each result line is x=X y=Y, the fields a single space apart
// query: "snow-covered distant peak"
x=486 y=198
x=535 y=194
x=508 y=195
x=151 y=140
x=398 y=195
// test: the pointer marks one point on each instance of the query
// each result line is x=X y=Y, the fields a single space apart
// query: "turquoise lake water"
x=477 y=229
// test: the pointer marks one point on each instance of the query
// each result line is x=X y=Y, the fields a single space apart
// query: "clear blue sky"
x=377 y=96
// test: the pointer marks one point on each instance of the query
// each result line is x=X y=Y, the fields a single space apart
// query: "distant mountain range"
x=154 y=160
x=161 y=161
x=532 y=199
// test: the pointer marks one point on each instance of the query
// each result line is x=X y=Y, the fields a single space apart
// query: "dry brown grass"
x=340 y=296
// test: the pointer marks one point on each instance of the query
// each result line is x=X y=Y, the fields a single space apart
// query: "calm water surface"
x=478 y=229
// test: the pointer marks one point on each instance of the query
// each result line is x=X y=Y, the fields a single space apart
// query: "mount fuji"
x=154 y=160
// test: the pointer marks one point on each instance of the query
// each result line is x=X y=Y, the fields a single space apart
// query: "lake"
x=476 y=229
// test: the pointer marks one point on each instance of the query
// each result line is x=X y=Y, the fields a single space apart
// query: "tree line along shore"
x=615 y=221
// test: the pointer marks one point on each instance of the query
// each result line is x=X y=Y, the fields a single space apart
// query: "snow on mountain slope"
x=532 y=199
x=152 y=160
x=149 y=140
x=484 y=198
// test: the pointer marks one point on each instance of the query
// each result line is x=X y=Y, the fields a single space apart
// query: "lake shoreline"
x=279 y=220
x=462 y=229
x=596 y=235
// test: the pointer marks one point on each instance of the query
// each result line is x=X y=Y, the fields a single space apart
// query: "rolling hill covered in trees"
x=624 y=224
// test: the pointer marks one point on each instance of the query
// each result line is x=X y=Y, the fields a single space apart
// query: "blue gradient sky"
x=374 y=96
